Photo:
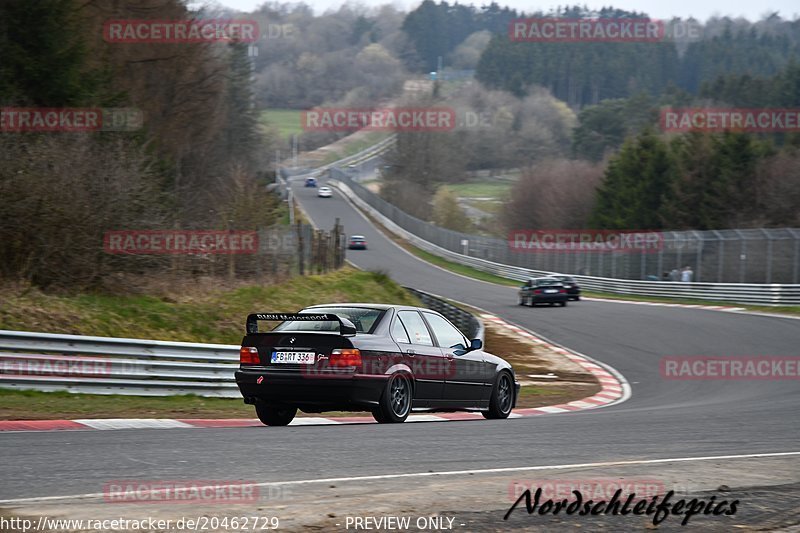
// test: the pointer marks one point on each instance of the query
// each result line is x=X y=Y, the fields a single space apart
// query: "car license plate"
x=550 y=291
x=294 y=358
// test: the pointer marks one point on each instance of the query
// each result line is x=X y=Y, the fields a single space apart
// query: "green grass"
x=486 y=189
x=489 y=206
x=34 y=405
x=286 y=121
x=192 y=316
x=459 y=269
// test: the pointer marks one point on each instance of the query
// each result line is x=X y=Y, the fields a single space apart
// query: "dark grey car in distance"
x=545 y=290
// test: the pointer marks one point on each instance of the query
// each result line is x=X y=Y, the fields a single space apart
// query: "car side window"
x=399 y=332
x=415 y=327
x=446 y=333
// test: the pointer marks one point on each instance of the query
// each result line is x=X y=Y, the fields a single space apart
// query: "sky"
x=699 y=9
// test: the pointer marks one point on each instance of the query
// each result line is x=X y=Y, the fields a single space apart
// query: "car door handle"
x=412 y=353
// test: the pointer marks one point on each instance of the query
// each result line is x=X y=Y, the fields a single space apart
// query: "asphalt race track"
x=663 y=419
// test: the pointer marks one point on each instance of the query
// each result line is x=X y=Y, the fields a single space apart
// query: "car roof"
x=356 y=236
x=382 y=307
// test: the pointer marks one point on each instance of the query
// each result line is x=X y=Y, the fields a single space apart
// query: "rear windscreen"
x=363 y=319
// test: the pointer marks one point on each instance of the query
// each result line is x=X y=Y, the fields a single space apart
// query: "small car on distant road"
x=325 y=192
x=543 y=291
x=573 y=289
x=357 y=242
x=311 y=182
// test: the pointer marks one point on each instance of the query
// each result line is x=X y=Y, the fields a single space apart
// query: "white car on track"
x=324 y=192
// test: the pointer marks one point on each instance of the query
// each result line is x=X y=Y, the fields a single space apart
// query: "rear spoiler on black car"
x=345 y=326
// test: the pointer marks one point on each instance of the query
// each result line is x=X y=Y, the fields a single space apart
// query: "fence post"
x=769 y=256
x=337 y=244
x=796 y=259
x=301 y=250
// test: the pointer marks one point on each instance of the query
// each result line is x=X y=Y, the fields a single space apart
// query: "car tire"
x=577 y=298
x=275 y=415
x=395 y=403
x=377 y=414
x=502 y=399
x=563 y=304
x=521 y=301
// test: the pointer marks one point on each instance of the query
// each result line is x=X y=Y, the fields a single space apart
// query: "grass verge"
x=188 y=314
x=35 y=405
x=497 y=190
x=286 y=121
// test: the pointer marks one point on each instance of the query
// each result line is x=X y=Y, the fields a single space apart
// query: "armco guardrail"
x=108 y=365
x=755 y=294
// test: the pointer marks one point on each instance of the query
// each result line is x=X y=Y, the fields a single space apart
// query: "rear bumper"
x=549 y=298
x=328 y=392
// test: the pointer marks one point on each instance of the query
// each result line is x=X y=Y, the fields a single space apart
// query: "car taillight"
x=562 y=290
x=345 y=357
x=537 y=291
x=248 y=355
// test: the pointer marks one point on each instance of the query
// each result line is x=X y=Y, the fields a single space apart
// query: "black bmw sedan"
x=543 y=291
x=573 y=289
x=387 y=359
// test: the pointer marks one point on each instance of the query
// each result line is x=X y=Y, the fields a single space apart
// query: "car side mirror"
x=475 y=344
x=459 y=349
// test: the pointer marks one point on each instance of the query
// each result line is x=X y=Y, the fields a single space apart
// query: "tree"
x=44 y=55
x=637 y=183
x=553 y=194
x=241 y=133
x=447 y=213
x=603 y=127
